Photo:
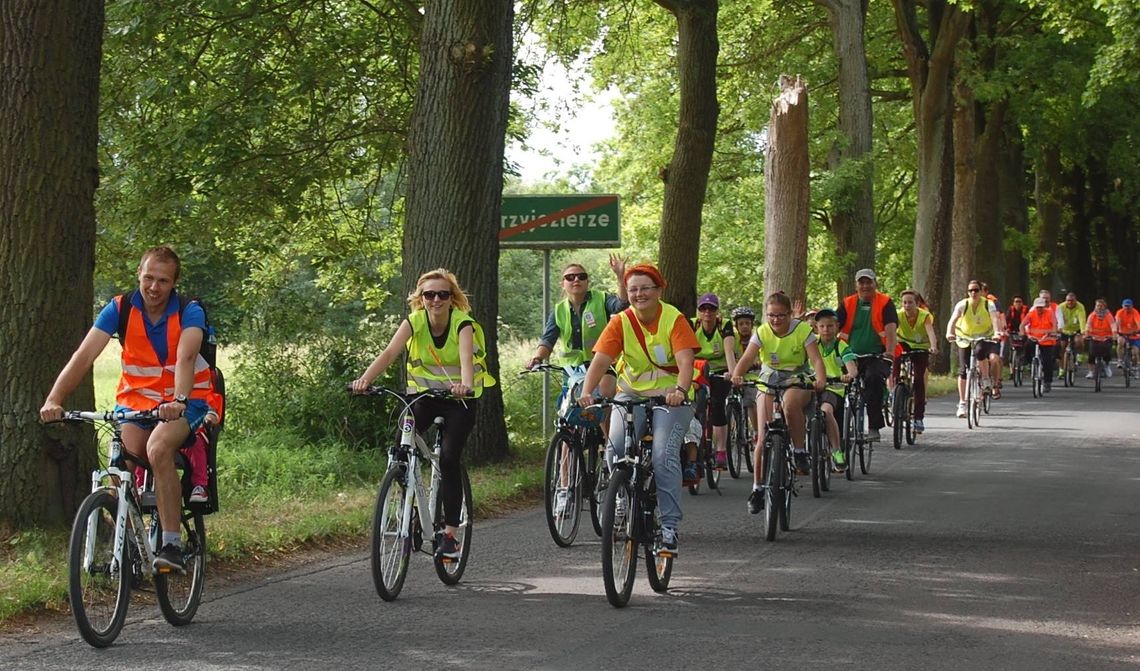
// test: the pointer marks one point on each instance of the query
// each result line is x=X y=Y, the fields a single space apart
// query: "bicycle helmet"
x=743 y=311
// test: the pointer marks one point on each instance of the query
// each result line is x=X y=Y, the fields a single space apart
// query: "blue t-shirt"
x=108 y=320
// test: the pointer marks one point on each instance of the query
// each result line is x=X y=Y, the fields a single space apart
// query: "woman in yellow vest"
x=446 y=350
x=788 y=346
x=975 y=317
x=916 y=334
x=654 y=348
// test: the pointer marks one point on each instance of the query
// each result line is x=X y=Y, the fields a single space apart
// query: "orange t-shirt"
x=611 y=342
x=1127 y=321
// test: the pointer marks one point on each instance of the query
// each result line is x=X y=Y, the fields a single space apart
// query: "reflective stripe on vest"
x=712 y=348
x=145 y=381
x=914 y=336
x=593 y=322
x=636 y=373
x=431 y=368
x=1100 y=327
x=851 y=307
x=787 y=352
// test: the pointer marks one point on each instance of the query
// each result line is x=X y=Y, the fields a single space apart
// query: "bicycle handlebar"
x=377 y=390
x=105 y=416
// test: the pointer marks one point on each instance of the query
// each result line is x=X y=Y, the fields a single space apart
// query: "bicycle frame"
x=413 y=447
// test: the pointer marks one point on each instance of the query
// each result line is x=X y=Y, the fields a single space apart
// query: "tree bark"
x=687 y=175
x=49 y=105
x=965 y=230
x=787 y=169
x=989 y=256
x=1047 y=193
x=853 y=221
x=455 y=174
x=1014 y=208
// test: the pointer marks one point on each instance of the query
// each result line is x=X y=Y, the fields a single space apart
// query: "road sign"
x=560 y=221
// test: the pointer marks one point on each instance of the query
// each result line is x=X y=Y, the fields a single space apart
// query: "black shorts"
x=982 y=350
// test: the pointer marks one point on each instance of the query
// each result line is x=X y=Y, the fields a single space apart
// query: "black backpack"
x=209 y=352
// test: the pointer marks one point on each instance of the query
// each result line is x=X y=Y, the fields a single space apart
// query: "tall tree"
x=964 y=229
x=455 y=171
x=687 y=175
x=787 y=173
x=49 y=106
x=853 y=221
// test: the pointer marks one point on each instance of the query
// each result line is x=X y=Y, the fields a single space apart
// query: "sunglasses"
x=708 y=307
x=973 y=290
x=570 y=277
x=432 y=295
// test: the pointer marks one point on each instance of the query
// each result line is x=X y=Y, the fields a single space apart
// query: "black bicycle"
x=1017 y=347
x=629 y=511
x=902 y=402
x=576 y=470
x=854 y=420
x=1099 y=365
x=1069 y=361
x=741 y=435
x=779 y=463
x=819 y=446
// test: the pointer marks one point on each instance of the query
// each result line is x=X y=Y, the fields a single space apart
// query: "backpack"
x=209 y=352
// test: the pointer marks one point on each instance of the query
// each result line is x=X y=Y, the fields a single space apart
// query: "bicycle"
x=629 y=511
x=819 y=447
x=1099 y=364
x=1127 y=358
x=854 y=413
x=1037 y=371
x=404 y=509
x=706 y=455
x=112 y=549
x=1069 y=362
x=779 y=462
x=978 y=398
x=902 y=402
x=741 y=436
x=1016 y=359
x=574 y=469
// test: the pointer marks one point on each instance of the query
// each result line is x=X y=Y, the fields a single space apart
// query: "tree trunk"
x=687 y=175
x=455 y=173
x=1014 y=208
x=989 y=257
x=787 y=171
x=1047 y=193
x=853 y=221
x=965 y=231
x=49 y=106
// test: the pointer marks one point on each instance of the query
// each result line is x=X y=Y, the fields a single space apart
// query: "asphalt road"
x=1012 y=546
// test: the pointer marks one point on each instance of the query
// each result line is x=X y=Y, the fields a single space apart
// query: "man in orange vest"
x=1128 y=330
x=1041 y=324
x=868 y=321
x=163 y=371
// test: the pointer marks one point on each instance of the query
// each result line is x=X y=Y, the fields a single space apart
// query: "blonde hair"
x=458 y=297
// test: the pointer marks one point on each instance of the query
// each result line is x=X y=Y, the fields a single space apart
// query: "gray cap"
x=866 y=272
x=1040 y=302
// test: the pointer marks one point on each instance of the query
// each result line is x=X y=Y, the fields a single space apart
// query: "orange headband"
x=645 y=269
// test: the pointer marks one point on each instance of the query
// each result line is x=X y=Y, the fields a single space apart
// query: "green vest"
x=975 y=322
x=914 y=336
x=431 y=368
x=1073 y=320
x=593 y=322
x=712 y=348
x=636 y=373
x=784 y=353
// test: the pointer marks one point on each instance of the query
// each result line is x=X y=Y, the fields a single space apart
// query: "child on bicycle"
x=838 y=361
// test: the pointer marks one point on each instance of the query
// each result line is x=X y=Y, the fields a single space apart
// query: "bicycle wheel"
x=786 y=493
x=1127 y=374
x=911 y=436
x=971 y=382
x=1071 y=369
x=774 y=466
x=657 y=568
x=451 y=570
x=987 y=401
x=98 y=582
x=619 y=542
x=1015 y=367
x=816 y=458
x=736 y=436
x=1035 y=381
x=599 y=476
x=563 y=488
x=179 y=595
x=391 y=543
x=1096 y=376
x=901 y=396
x=849 y=438
x=865 y=448
x=712 y=473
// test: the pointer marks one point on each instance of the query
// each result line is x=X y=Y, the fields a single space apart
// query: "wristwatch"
x=181 y=398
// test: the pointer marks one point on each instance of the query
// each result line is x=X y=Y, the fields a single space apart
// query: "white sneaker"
x=1088 y=375
x=199 y=495
x=1119 y=365
x=560 y=499
x=1108 y=371
x=961 y=409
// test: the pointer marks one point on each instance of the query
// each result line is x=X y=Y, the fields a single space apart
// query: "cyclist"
x=838 y=361
x=868 y=321
x=1071 y=316
x=1128 y=332
x=1012 y=326
x=578 y=319
x=655 y=348
x=974 y=317
x=162 y=370
x=916 y=334
x=785 y=346
x=446 y=351
x=1041 y=324
x=744 y=320
x=1100 y=328
x=717 y=338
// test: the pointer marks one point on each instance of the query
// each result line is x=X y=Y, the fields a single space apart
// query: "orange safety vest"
x=1100 y=327
x=1128 y=321
x=145 y=381
x=1040 y=325
x=878 y=304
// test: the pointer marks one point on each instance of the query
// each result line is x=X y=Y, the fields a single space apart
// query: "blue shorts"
x=1133 y=341
x=195 y=414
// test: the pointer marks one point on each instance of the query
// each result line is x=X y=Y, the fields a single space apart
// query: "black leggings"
x=457 y=423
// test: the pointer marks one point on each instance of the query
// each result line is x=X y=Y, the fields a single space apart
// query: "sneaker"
x=801 y=459
x=169 y=560
x=1119 y=365
x=987 y=384
x=840 y=460
x=690 y=476
x=721 y=460
x=669 y=541
x=756 y=501
x=199 y=495
x=448 y=547
x=1088 y=375
x=561 y=497
x=873 y=436
x=1108 y=371
x=918 y=426
x=961 y=410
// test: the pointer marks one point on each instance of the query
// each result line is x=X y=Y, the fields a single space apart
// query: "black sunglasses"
x=973 y=290
x=570 y=277
x=432 y=295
